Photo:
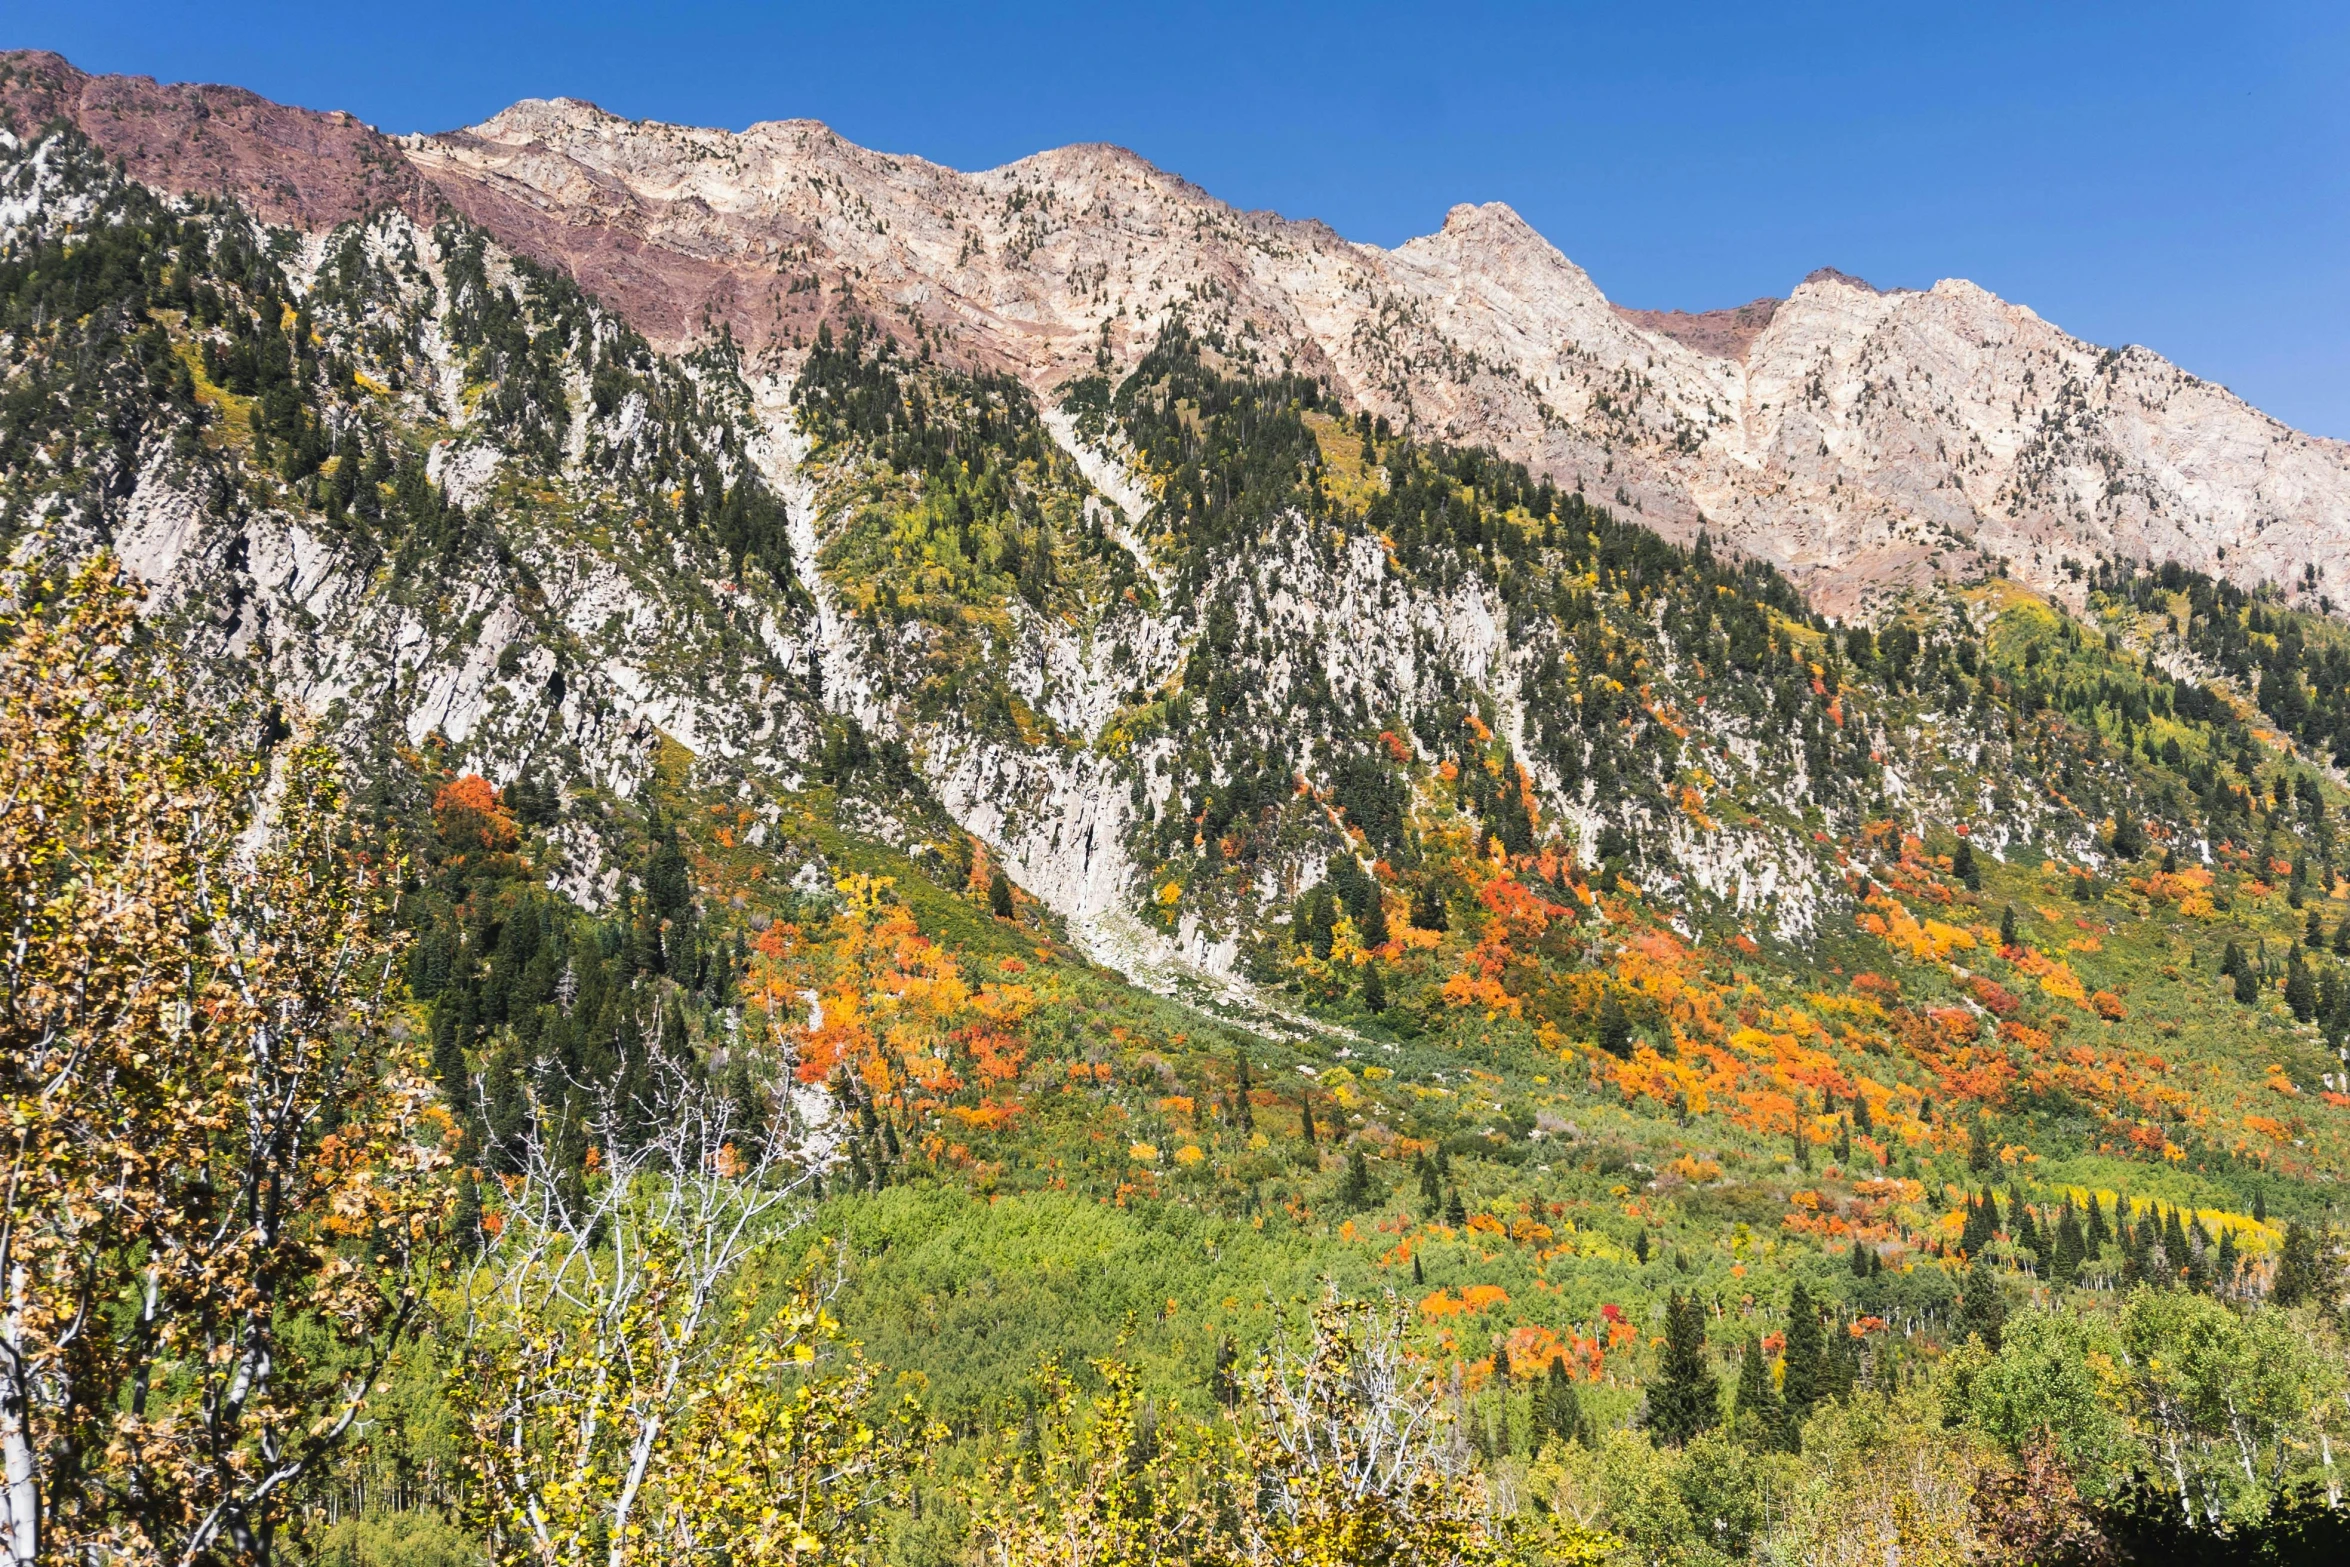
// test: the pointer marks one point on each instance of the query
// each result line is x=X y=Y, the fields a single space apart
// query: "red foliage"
x=470 y=818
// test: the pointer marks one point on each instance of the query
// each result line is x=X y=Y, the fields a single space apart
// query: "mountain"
x=1858 y=439
x=1205 y=765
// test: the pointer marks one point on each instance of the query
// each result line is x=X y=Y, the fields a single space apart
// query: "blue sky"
x=2171 y=174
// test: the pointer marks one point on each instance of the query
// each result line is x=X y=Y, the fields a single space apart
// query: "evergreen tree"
x=2300 y=989
x=1860 y=1260
x=1757 y=1416
x=1305 y=1116
x=2260 y=1207
x=999 y=895
x=2007 y=935
x=1419 y=1278
x=1804 y=1382
x=470 y=1234
x=2129 y=836
x=1564 y=1407
x=1356 y=1190
x=1316 y=922
x=1686 y=1397
x=2021 y=1224
x=1244 y=1113
x=1982 y=1313
x=1640 y=1247
x=1973 y=1232
x=2071 y=1246
x=1614 y=1031
x=1374 y=988
x=2247 y=986
x=1979 y=1157
x=2302 y=1272
x=2099 y=1232
x=1428 y=909
x=1455 y=1215
x=1962 y=865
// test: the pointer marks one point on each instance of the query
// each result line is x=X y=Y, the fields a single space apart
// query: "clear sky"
x=2171 y=174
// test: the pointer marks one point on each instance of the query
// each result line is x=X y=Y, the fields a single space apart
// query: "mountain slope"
x=1564 y=920
x=1859 y=440
x=1854 y=438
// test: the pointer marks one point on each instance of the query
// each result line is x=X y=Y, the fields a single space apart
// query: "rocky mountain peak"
x=1865 y=441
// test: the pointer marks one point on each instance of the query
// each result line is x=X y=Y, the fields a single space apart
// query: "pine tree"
x=1962 y=865
x=1305 y=1116
x=1756 y=1414
x=1860 y=1260
x=2260 y=1207
x=2007 y=936
x=1374 y=989
x=1973 y=1232
x=1981 y=1311
x=2231 y=960
x=999 y=895
x=1567 y=1416
x=1244 y=1113
x=1614 y=1032
x=470 y=1233
x=1686 y=1397
x=2099 y=1231
x=1804 y=1382
x=1431 y=1195
x=1355 y=1191
x=1640 y=1247
x=2300 y=990
x=1979 y=1157
x=2301 y=1275
x=2021 y=1224
x=2071 y=1247
x=1455 y=1215
x=1419 y=1278
x=2247 y=986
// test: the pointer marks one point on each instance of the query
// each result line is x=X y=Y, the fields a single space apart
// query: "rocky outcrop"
x=1862 y=441
x=292 y=166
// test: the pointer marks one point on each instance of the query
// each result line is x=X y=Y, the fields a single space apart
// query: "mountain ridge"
x=1864 y=441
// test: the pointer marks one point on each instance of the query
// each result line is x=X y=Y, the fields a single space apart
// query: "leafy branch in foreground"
x=221 y=1180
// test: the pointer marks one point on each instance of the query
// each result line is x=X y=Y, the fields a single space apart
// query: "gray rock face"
x=1860 y=440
